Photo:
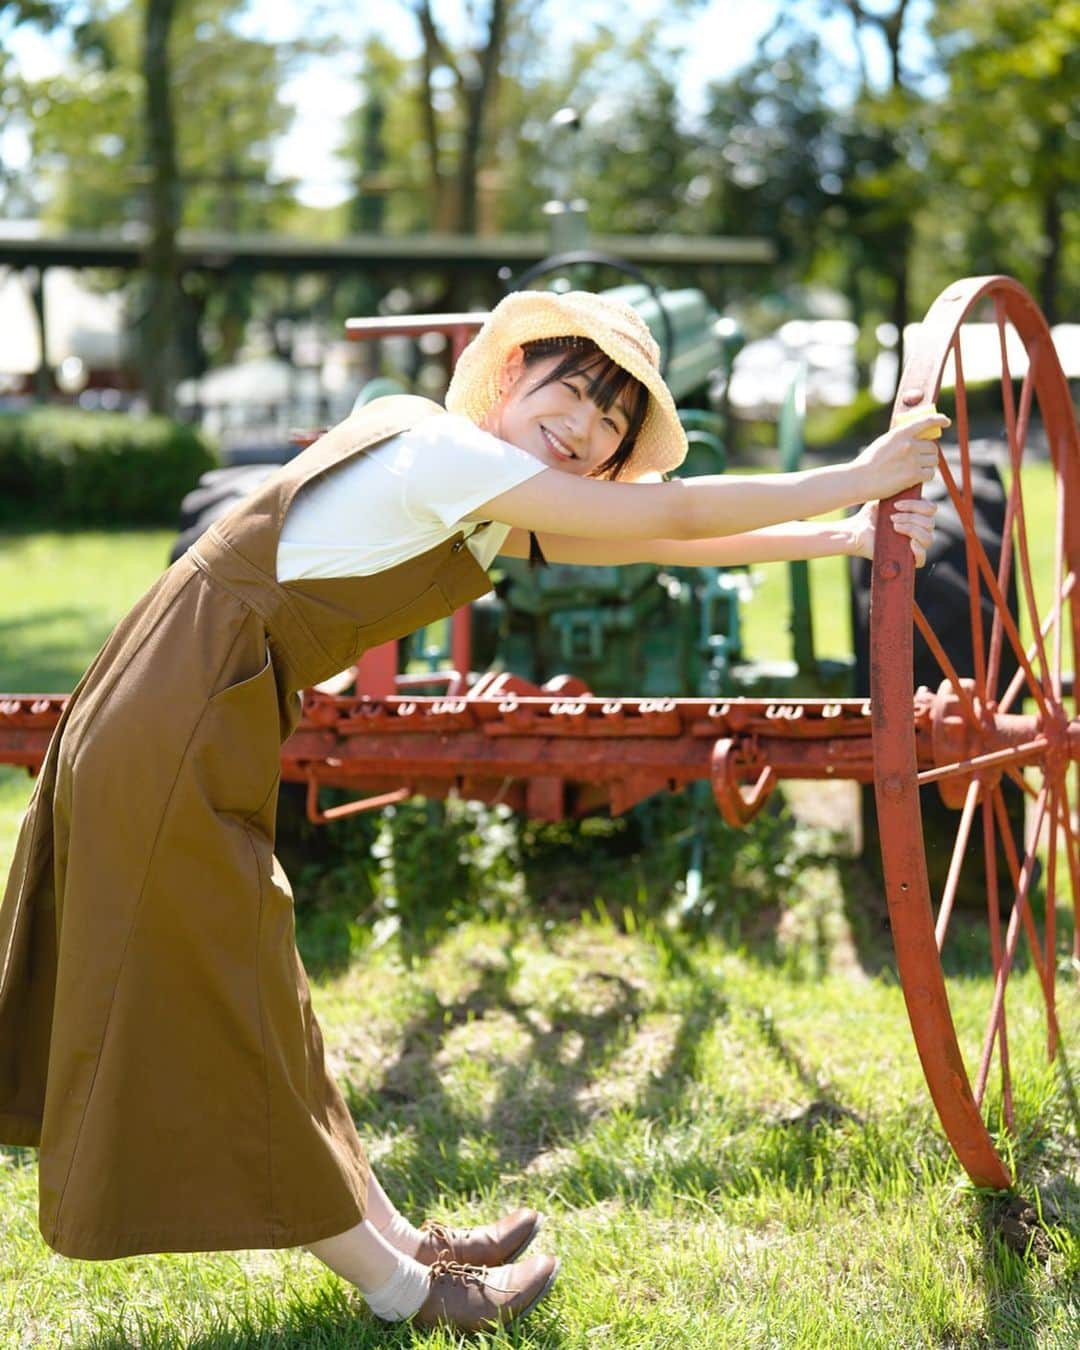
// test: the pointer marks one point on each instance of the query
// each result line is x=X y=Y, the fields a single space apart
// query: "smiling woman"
x=156 y=1035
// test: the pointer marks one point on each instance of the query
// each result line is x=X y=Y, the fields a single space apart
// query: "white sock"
x=403 y=1292
x=400 y=1233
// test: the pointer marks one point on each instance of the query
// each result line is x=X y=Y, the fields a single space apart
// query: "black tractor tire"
x=941 y=591
x=217 y=491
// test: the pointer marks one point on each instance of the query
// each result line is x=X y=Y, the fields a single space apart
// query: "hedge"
x=60 y=466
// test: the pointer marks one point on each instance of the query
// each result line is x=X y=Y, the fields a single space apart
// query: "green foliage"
x=411 y=873
x=225 y=95
x=772 y=152
x=1008 y=184
x=64 y=467
x=427 y=867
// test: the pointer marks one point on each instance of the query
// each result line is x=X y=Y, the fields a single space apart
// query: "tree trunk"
x=430 y=58
x=161 y=258
x=477 y=97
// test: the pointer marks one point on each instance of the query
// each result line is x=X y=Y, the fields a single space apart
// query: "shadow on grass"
x=455 y=1149
x=45 y=652
x=553 y=1104
x=331 y=1319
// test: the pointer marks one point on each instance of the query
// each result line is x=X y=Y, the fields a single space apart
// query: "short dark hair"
x=606 y=381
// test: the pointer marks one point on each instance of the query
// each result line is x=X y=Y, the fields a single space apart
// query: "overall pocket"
x=239 y=743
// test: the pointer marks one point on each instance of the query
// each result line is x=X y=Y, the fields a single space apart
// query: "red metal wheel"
x=982 y=728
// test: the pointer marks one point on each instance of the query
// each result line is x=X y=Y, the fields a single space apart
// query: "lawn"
x=725 y=1123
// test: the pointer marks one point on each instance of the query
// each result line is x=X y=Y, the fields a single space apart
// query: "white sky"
x=718 y=36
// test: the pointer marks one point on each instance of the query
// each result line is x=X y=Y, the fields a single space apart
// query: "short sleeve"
x=452 y=466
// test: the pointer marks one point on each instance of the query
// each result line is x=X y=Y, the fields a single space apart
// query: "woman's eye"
x=572 y=387
x=610 y=424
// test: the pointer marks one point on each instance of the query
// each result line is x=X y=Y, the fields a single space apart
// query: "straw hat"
x=617 y=329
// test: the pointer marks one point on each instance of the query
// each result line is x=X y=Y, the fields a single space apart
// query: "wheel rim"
x=1021 y=728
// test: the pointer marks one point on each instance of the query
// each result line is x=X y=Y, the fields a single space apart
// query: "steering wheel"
x=556 y=262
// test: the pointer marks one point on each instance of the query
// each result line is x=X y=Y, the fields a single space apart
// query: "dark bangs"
x=606 y=384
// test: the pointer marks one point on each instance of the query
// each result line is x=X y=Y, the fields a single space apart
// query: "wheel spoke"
x=1017 y=439
x=1021 y=782
x=956 y=862
x=1014 y=754
x=1002 y=608
x=1022 y=873
x=1020 y=917
x=974 y=593
x=997 y=1008
x=1015 y=429
x=1003 y=573
x=947 y=667
x=1052 y=620
x=1059 y=591
x=1072 y=857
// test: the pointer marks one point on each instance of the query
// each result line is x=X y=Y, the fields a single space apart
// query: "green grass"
x=727 y=1127
x=62 y=594
x=728 y=1156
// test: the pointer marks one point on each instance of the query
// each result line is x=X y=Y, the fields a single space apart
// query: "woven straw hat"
x=616 y=328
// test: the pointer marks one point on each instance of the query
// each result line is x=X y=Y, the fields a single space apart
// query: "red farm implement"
x=1005 y=728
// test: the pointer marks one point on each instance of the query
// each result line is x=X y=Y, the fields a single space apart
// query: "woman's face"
x=557 y=423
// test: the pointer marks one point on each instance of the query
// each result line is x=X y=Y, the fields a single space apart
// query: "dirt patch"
x=1015 y=1221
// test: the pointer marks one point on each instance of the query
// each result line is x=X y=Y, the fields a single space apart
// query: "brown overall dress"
x=157 y=1041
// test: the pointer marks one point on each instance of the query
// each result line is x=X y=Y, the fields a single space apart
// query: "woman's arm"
x=555 y=502
x=773 y=543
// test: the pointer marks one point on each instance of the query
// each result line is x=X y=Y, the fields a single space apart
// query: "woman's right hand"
x=900 y=458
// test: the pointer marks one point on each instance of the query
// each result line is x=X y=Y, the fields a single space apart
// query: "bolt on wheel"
x=1002 y=731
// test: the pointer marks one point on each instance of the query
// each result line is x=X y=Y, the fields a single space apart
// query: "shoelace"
x=455 y=1271
x=440 y=1232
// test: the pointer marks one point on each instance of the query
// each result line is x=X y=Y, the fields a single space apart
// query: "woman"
x=156 y=1035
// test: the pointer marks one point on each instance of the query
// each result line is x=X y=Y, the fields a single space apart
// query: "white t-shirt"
x=400 y=499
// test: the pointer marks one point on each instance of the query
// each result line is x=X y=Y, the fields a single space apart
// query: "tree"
x=464 y=84
x=109 y=108
x=808 y=147
x=1006 y=138
x=163 y=201
x=16 y=197
x=888 y=162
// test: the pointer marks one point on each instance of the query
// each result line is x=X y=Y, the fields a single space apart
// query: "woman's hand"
x=900 y=458
x=913 y=518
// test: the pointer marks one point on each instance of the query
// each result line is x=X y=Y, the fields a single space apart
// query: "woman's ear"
x=512 y=370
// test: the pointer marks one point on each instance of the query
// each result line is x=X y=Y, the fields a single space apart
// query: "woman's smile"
x=556 y=445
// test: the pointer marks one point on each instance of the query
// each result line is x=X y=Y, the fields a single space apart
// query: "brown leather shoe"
x=475 y=1298
x=495 y=1244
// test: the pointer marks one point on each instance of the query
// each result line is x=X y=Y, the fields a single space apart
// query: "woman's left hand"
x=913 y=518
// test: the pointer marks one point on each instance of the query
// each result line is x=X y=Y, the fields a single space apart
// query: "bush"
x=415 y=871
x=60 y=466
